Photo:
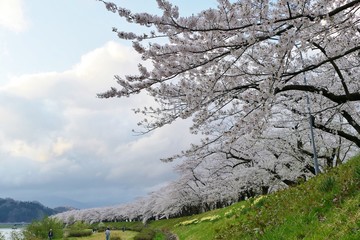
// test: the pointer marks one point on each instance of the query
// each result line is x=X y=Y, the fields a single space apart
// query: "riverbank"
x=13 y=225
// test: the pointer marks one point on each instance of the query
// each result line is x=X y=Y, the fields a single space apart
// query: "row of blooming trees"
x=250 y=74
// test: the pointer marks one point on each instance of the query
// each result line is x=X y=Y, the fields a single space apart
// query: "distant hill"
x=12 y=211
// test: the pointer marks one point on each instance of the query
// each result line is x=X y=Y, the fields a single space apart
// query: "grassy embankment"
x=325 y=207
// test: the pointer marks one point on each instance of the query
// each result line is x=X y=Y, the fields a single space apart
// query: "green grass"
x=127 y=235
x=325 y=207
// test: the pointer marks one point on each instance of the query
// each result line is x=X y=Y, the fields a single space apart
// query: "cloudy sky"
x=59 y=144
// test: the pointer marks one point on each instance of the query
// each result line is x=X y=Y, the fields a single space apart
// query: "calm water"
x=7 y=232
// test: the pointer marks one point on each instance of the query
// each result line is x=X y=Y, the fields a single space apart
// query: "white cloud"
x=66 y=139
x=62 y=108
x=20 y=148
x=33 y=85
x=12 y=15
x=61 y=146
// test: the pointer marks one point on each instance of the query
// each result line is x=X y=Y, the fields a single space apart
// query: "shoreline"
x=13 y=225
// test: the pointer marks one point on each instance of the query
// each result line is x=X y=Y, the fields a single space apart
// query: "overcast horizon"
x=60 y=144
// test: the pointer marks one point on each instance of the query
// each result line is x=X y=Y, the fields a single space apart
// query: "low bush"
x=40 y=229
x=79 y=225
x=100 y=227
x=136 y=228
x=145 y=234
x=80 y=232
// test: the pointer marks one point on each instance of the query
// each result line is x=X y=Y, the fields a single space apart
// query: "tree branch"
x=312 y=67
x=342 y=79
x=343 y=134
x=351 y=120
x=322 y=91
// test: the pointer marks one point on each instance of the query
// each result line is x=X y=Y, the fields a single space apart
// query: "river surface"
x=7 y=232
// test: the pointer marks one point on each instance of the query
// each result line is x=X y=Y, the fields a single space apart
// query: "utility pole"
x=311 y=122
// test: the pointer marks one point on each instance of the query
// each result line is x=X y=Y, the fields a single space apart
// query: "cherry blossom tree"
x=240 y=69
x=243 y=73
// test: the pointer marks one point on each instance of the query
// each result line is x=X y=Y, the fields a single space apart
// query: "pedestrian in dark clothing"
x=50 y=234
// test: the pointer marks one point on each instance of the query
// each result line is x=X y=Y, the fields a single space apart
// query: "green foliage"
x=40 y=229
x=79 y=229
x=79 y=226
x=137 y=227
x=357 y=173
x=79 y=232
x=145 y=234
x=115 y=235
x=327 y=184
x=101 y=227
x=160 y=236
x=129 y=226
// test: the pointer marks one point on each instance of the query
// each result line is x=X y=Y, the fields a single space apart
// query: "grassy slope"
x=326 y=207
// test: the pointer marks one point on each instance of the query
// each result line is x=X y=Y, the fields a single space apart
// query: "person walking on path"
x=50 y=234
x=107 y=233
